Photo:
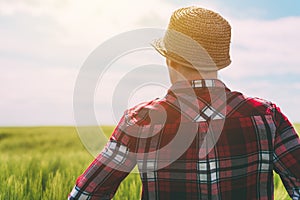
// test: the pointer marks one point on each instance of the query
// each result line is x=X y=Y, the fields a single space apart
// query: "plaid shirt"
x=228 y=147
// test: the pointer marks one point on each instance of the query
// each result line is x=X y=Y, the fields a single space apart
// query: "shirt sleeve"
x=287 y=154
x=104 y=175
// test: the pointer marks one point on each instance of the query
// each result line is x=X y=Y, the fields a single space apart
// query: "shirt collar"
x=201 y=83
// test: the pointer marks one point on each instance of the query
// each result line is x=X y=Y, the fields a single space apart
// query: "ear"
x=168 y=62
x=171 y=63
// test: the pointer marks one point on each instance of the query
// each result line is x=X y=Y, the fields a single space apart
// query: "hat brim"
x=159 y=46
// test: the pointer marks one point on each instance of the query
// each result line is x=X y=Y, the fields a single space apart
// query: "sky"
x=45 y=44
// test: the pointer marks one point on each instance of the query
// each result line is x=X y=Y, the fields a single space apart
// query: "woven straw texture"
x=196 y=37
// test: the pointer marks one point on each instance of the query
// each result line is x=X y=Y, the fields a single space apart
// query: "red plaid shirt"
x=201 y=141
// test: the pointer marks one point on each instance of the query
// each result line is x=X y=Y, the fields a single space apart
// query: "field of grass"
x=44 y=162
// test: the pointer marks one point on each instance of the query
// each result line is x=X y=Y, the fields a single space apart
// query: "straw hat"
x=196 y=37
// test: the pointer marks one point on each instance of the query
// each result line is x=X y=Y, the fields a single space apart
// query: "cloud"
x=82 y=23
x=266 y=61
x=44 y=43
x=35 y=95
x=63 y=31
x=138 y=77
x=265 y=47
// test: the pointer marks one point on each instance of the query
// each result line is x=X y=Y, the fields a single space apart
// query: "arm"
x=102 y=178
x=287 y=154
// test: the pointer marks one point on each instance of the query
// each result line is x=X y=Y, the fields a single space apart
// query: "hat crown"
x=200 y=23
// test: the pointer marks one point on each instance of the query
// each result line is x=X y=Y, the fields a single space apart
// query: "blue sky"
x=268 y=9
x=265 y=9
x=45 y=43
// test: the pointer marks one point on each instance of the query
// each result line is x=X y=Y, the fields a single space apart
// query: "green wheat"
x=42 y=163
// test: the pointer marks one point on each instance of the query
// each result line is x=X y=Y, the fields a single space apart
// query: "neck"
x=190 y=74
x=178 y=73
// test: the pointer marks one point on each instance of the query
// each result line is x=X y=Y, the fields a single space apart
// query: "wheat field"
x=42 y=163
